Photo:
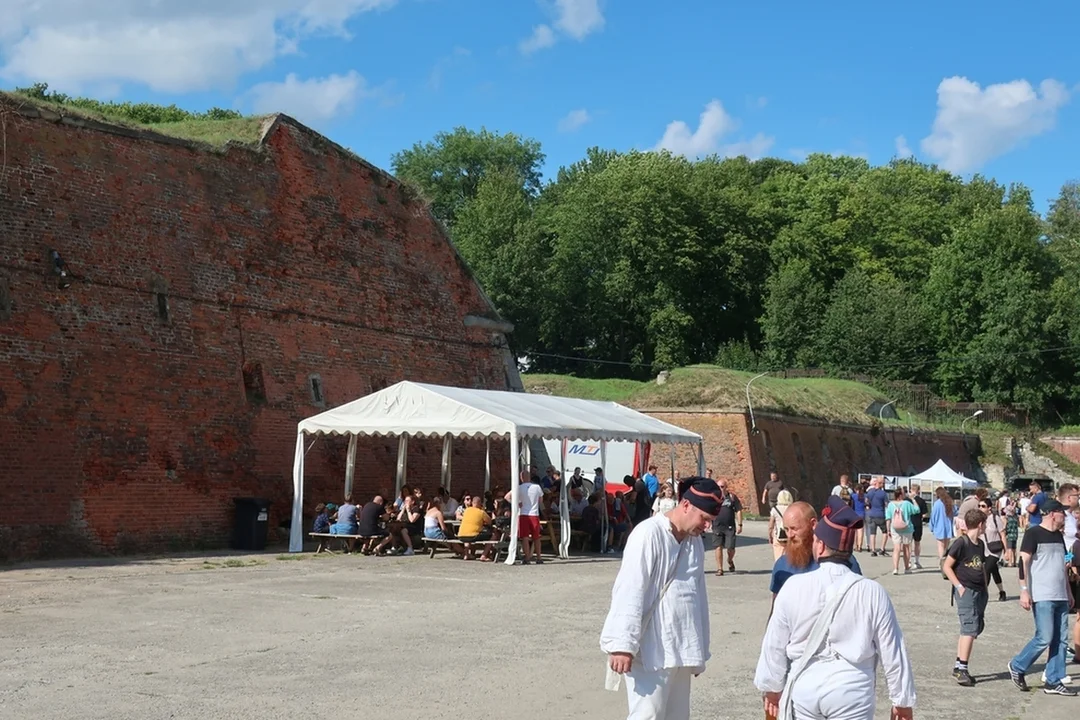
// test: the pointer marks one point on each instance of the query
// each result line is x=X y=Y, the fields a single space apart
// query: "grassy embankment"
x=707 y=386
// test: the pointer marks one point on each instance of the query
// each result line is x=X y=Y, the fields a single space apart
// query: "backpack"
x=898 y=521
x=781 y=531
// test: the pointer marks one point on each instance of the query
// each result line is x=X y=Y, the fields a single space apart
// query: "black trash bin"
x=250 y=524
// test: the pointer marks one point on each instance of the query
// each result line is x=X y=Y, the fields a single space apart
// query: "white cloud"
x=975 y=125
x=902 y=149
x=753 y=148
x=713 y=124
x=578 y=18
x=312 y=101
x=574 y=120
x=542 y=37
x=168 y=46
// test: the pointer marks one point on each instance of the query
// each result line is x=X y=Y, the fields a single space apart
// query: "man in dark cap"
x=657 y=631
x=829 y=629
x=1045 y=591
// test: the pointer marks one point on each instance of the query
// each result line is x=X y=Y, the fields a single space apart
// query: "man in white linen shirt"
x=839 y=679
x=659 y=639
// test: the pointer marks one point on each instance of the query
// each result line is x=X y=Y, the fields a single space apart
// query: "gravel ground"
x=265 y=635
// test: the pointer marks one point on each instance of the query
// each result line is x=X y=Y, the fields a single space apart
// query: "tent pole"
x=515 y=511
x=402 y=465
x=296 y=528
x=487 y=464
x=564 y=507
x=350 y=466
x=447 y=449
x=602 y=488
x=701 y=459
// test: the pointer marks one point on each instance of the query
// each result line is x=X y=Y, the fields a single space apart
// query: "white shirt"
x=578 y=506
x=1069 y=531
x=678 y=634
x=865 y=631
x=1002 y=502
x=530 y=495
x=838 y=489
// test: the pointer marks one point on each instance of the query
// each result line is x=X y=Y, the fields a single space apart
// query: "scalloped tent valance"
x=422 y=410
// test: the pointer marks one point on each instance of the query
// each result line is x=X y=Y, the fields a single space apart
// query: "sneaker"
x=1061 y=689
x=1002 y=596
x=918 y=565
x=539 y=561
x=895 y=572
x=1018 y=679
x=963 y=677
x=408 y=552
x=1064 y=681
x=907 y=571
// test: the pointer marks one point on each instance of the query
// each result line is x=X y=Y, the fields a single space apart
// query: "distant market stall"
x=410 y=409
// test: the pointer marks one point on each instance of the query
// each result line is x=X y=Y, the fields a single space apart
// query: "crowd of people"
x=829 y=626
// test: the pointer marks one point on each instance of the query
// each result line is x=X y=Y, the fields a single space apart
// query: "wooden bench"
x=433 y=544
x=325 y=538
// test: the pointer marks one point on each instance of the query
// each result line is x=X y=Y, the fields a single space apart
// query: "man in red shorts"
x=530 y=496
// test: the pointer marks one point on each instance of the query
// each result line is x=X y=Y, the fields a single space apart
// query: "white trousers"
x=658 y=694
x=834 y=690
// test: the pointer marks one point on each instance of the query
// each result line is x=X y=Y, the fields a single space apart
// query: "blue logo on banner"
x=584 y=449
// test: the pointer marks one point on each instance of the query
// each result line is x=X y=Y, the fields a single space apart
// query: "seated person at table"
x=619 y=514
x=463 y=504
x=322 y=519
x=578 y=502
x=590 y=519
x=449 y=504
x=409 y=522
x=346 y=518
x=370 y=524
x=435 y=525
x=406 y=491
x=475 y=525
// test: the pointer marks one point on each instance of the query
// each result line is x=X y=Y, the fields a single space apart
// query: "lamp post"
x=881 y=412
x=753 y=424
x=975 y=414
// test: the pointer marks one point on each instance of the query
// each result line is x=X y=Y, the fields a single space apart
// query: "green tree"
x=494 y=236
x=875 y=326
x=449 y=169
x=989 y=295
x=794 y=303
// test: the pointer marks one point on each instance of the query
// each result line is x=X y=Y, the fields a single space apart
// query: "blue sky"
x=977 y=87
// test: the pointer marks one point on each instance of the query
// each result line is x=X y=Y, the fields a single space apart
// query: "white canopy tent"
x=417 y=409
x=942 y=475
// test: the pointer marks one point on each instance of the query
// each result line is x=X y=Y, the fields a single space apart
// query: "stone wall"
x=218 y=297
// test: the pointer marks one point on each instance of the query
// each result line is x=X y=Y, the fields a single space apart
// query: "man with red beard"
x=800 y=521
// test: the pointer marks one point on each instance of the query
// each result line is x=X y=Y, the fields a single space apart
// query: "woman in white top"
x=435 y=525
x=665 y=500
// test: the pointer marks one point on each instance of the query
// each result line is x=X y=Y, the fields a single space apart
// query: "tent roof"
x=942 y=474
x=418 y=409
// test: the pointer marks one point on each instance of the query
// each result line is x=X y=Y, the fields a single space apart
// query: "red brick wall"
x=120 y=430
x=1067 y=446
x=808 y=455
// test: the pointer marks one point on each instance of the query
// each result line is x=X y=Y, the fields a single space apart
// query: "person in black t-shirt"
x=370 y=525
x=965 y=567
x=726 y=526
x=917 y=522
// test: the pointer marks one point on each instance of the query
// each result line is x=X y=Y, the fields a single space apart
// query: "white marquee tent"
x=416 y=409
x=941 y=474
